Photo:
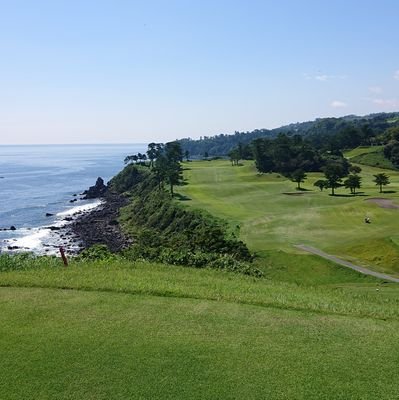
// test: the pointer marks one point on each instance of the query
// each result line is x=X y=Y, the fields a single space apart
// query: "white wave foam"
x=43 y=240
x=32 y=241
x=81 y=208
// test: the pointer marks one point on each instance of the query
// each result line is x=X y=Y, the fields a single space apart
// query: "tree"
x=234 y=156
x=355 y=169
x=393 y=133
x=298 y=176
x=261 y=149
x=381 y=180
x=353 y=182
x=154 y=150
x=321 y=184
x=334 y=172
x=140 y=157
x=187 y=155
x=172 y=169
x=128 y=159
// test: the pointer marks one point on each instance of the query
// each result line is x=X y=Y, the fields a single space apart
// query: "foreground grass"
x=273 y=216
x=117 y=330
x=58 y=344
x=352 y=294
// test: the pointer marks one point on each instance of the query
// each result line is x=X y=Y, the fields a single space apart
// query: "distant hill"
x=369 y=127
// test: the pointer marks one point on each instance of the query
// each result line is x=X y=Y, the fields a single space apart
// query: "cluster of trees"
x=326 y=134
x=391 y=149
x=220 y=145
x=334 y=179
x=164 y=160
x=285 y=155
x=294 y=156
x=335 y=171
x=136 y=159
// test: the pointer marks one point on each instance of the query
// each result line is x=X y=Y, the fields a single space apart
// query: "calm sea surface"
x=41 y=179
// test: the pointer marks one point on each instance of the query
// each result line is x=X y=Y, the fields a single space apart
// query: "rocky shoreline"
x=100 y=226
x=78 y=231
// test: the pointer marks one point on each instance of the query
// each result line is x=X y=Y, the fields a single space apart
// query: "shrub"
x=96 y=252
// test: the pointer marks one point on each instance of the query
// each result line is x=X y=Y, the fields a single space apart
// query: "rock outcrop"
x=96 y=191
x=100 y=226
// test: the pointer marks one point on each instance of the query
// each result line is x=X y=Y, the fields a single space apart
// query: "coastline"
x=75 y=229
x=46 y=239
x=100 y=225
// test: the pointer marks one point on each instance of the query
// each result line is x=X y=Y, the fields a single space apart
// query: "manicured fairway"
x=272 y=215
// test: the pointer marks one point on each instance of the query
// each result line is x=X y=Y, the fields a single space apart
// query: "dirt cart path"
x=339 y=261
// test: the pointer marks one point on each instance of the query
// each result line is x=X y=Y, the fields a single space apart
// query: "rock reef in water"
x=96 y=191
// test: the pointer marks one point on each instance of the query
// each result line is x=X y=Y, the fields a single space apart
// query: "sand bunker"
x=384 y=203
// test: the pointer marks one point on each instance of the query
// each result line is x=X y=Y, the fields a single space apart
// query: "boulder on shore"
x=96 y=191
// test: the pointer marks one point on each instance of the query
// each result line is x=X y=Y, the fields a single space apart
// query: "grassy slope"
x=151 y=331
x=270 y=220
x=372 y=156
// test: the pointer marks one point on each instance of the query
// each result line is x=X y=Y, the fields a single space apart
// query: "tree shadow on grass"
x=360 y=194
x=181 y=197
x=389 y=191
x=304 y=190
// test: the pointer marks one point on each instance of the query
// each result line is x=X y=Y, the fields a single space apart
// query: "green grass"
x=136 y=330
x=269 y=219
x=117 y=346
x=372 y=156
x=338 y=291
x=148 y=331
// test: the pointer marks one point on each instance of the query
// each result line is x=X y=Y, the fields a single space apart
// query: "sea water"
x=40 y=179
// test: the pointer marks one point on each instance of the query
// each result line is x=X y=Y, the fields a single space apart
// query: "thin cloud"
x=323 y=77
x=396 y=75
x=386 y=102
x=338 y=104
x=375 y=89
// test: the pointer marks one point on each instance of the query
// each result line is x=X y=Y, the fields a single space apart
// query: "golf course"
x=307 y=329
x=273 y=216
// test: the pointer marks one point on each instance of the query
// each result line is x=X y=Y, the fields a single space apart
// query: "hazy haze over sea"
x=40 y=179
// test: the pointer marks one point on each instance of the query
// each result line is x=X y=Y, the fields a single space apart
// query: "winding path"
x=339 y=261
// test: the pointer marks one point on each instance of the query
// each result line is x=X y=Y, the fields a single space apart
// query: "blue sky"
x=137 y=71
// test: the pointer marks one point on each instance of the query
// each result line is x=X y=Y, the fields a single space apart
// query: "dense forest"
x=330 y=134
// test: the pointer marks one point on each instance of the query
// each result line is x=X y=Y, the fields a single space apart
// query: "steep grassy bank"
x=164 y=231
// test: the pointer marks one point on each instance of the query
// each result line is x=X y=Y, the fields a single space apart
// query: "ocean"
x=36 y=180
